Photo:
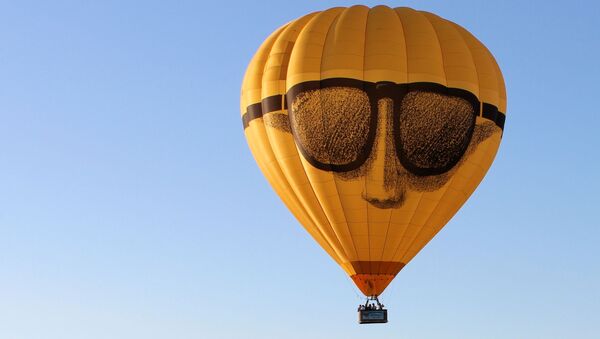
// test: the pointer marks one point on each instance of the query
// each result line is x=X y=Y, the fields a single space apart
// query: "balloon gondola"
x=372 y=312
x=374 y=126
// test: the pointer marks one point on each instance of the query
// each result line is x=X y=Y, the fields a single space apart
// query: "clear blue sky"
x=130 y=206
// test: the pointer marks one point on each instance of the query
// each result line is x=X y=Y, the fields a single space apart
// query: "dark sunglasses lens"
x=331 y=126
x=434 y=131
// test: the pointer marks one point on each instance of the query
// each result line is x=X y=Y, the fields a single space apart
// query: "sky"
x=131 y=207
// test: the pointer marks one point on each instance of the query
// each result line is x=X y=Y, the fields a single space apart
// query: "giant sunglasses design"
x=427 y=129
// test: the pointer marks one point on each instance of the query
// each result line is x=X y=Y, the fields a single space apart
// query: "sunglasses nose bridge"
x=385 y=89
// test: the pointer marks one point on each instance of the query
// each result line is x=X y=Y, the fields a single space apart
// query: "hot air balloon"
x=374 y=126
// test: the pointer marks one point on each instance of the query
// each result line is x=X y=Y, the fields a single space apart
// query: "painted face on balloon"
x=389 y=138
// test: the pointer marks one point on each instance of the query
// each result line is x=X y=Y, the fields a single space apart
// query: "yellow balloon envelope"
x=374 y=126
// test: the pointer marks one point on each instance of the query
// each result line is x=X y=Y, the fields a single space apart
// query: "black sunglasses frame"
x=375 y=92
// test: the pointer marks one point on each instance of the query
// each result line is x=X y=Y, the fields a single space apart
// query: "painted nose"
x=383 y=188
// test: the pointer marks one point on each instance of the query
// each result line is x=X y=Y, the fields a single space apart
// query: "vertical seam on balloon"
x=427 y=220
x=377 y=126
x=472 y=47
x=391 y=211
x=323 y=118
x=498 y=77
x=281 y=175
x=438 y=43
x=395 y=103
x=342 y=250
x=278 y=169
x=442 y=54
x=384 y=127
x=333 y=175
x=500 y=81
x=339 y=252
x=420 y=193
x=502 y=95
x=486 y=55
x=334 y=22
x=468 y=47
x=244 y=95
x=408 y=225
x=315 y=195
